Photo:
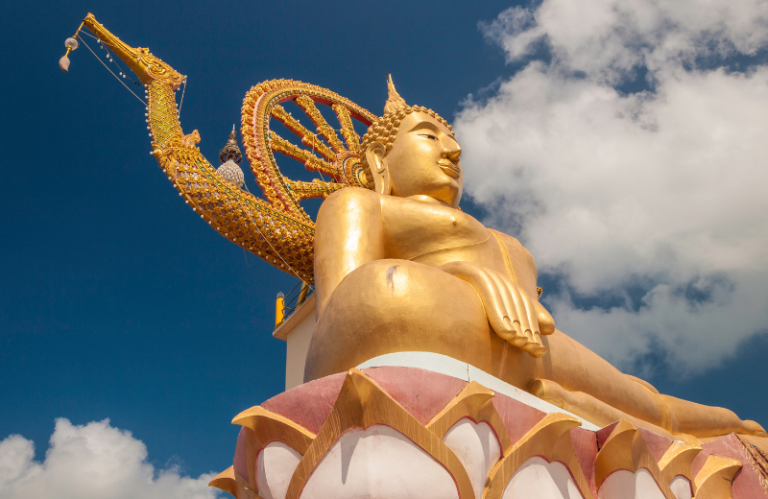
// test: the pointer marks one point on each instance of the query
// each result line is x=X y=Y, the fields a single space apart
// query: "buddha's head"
x=411 y=151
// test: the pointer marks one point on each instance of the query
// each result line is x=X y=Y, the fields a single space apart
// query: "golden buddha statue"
x=402 y=268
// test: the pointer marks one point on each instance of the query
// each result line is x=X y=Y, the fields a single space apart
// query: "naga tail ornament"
x=283 y=238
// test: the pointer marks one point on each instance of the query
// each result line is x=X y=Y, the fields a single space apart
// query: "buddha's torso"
x=434 y=235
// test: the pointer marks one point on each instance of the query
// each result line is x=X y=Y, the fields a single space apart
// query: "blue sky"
x=117 y=302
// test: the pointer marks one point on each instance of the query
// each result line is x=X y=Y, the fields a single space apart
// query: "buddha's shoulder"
x=351 y=197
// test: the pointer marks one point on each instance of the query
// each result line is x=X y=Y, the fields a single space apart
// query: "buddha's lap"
x=390 y=306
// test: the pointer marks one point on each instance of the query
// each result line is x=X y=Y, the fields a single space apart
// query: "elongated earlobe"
x=374 y=154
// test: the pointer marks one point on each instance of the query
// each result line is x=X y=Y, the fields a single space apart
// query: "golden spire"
x=231 y=150
x=394 y=101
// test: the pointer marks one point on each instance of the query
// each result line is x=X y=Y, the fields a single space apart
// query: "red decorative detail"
x=603 y=434
x=746 y=484
x=425 y=393
x=658 y=444
x=308 y=404
x=240 y=463
x=585 y=447
x=422 y=393
x=517 y=417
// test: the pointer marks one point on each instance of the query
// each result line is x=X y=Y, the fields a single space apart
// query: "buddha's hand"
x=513 y=315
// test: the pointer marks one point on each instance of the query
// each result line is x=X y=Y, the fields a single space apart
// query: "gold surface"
x=277 y=229
x=279 y=310
x=616 y=453
x=550 y=439
x=384 y=130
x=340 y=161
x=677 y=461
x=230 y=482
x=757 y=459
x=263 y=427
x=625 y=449
x=393 y=305
x=415 y=162
x=473 y=402
x=361 y=404
x=715 y=479
x=146 y=66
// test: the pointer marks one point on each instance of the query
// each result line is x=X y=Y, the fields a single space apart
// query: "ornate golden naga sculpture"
x=398 y=268
x=277 y=229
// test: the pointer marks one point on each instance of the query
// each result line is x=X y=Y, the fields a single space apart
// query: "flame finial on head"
x=394 y=101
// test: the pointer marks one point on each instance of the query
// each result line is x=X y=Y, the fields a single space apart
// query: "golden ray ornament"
x=340 y=161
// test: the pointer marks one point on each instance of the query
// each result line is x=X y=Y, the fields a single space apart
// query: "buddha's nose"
x=452 y=154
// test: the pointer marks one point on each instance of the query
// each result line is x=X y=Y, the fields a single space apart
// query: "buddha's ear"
x=374 y=154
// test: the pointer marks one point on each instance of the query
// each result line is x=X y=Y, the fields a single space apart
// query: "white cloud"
x=606 y=38
x=664 y=188
x=93 y=461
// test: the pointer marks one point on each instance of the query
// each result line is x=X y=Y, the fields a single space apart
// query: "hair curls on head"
x=384 y=129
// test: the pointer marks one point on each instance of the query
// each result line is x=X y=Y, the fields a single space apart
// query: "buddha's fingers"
x=490 y=295
x=546 y=322
x=513 y=316
x=522 y=311
x=534 y=346
x=501 y=314
x=530 y=310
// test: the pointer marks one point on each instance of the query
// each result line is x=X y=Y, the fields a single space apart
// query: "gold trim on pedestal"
x=550 y=439
x=230 y=482
x=263 y=427
x=361 y=404
x=715 y=480
x=677 y=461
x=757 y=459
x=473 y=402
x=626 y=449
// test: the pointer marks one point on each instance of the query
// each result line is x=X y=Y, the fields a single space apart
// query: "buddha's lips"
x=449 y=168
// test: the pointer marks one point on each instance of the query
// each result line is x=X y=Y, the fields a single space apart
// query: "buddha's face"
x=424 y=160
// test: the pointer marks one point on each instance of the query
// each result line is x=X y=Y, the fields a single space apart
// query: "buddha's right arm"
x=349 y=233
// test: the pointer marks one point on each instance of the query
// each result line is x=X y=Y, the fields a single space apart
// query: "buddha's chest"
x=414 y=229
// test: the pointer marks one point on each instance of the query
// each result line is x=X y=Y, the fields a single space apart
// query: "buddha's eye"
x=428 y=136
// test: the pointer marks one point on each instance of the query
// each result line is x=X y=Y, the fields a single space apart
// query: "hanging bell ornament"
x=71 y=44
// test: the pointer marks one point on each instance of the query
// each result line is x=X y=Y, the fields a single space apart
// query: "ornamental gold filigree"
x=140 y=60
x=323 y=152
x=276 y=229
